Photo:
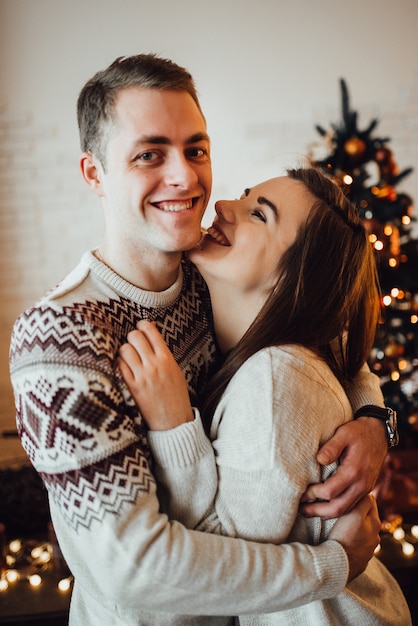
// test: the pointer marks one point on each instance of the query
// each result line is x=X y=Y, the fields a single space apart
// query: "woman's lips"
x=217 y=235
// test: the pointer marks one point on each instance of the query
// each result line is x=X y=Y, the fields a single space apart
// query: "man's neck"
x=151 y=274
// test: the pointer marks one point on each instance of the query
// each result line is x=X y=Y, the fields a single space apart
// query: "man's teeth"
x=179 y=206
x=218 y=236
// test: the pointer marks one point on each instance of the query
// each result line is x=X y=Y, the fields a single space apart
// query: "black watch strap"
x=386 y=415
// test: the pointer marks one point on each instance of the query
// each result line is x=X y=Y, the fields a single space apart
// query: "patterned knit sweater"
x=83 y=434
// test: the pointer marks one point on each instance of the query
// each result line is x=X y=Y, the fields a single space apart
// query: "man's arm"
x=360 y=447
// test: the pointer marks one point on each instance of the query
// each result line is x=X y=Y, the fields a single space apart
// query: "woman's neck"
x=233 y=313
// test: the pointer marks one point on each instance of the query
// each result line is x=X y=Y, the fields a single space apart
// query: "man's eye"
x=259 y=215
x=147 y=156
x=197 y=153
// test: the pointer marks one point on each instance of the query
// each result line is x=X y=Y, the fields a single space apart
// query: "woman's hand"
x=154 y=379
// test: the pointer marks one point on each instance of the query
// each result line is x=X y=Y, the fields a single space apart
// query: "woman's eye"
x=259 y=215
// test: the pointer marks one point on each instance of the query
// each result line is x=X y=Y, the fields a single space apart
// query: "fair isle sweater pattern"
x=75 y=416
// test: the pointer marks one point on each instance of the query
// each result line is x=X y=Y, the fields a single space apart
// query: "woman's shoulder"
x=291 y=362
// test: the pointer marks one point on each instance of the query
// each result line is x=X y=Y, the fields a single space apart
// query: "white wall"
x=267 y=71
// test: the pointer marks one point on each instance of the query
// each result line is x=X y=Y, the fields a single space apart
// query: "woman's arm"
x=360 y=446
x=249 y=482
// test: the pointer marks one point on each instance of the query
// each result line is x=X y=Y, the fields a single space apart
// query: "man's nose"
x=180 y=172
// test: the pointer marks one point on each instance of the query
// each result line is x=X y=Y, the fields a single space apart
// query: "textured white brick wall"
x=47 y=219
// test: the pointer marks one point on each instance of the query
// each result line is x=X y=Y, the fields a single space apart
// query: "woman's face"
x=249 y=236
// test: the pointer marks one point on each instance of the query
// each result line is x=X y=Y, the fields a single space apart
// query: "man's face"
x=158 y=171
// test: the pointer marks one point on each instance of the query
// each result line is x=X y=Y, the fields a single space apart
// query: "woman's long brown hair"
x=326 y=297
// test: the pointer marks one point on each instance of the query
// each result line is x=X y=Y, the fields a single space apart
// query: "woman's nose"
x=225 y=210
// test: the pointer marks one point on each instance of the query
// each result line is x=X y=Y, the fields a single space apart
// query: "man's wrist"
x=384 y=414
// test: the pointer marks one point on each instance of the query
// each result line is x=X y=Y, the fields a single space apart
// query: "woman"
x=294 y=292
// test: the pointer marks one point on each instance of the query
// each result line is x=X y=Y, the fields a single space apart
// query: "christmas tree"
x=364 y=166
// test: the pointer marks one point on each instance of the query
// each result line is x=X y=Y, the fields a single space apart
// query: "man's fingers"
x=331 y=450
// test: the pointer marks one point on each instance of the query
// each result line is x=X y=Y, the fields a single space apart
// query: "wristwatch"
x=386 y=415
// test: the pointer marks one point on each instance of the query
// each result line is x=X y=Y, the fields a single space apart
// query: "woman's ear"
x=92 y=172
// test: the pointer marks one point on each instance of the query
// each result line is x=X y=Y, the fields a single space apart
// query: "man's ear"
x=92 y=171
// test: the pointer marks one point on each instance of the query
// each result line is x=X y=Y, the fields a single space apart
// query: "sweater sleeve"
x=365 y=389
x=82 y=433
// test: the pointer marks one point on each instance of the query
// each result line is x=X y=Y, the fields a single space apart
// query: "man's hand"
x=361 y=447
x=358 y=533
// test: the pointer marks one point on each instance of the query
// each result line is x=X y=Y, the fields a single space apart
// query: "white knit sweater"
x=282 y=404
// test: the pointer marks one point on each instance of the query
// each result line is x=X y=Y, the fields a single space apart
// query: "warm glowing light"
x=42 y=553
x=387 y=300
x=347 y=179
x=372 y=238
x=34 y=580
x=407 y=548
x=414 y=319
x=3 y=584
x=402 y=364
x=15 y=545
x=395 y=292
x=399 y=533
x=406 y=219
x=388 y=230
x=12 y=575
x=392 y=262
x=395 y=376
x=414 y=531
x=378 y=245
x=64 y=584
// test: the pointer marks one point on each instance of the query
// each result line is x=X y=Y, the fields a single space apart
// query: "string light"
x=398 y=533
x=34 y=580
x=65 y=583
x=27 y=561
x=407 y=548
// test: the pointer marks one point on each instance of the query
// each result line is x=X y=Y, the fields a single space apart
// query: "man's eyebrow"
x=163 y=140
x=263 y=200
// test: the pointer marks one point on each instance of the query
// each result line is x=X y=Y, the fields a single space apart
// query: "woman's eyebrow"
x=263 y=200
x=270 y=204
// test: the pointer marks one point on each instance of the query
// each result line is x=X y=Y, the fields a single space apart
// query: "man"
x=146 y=155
